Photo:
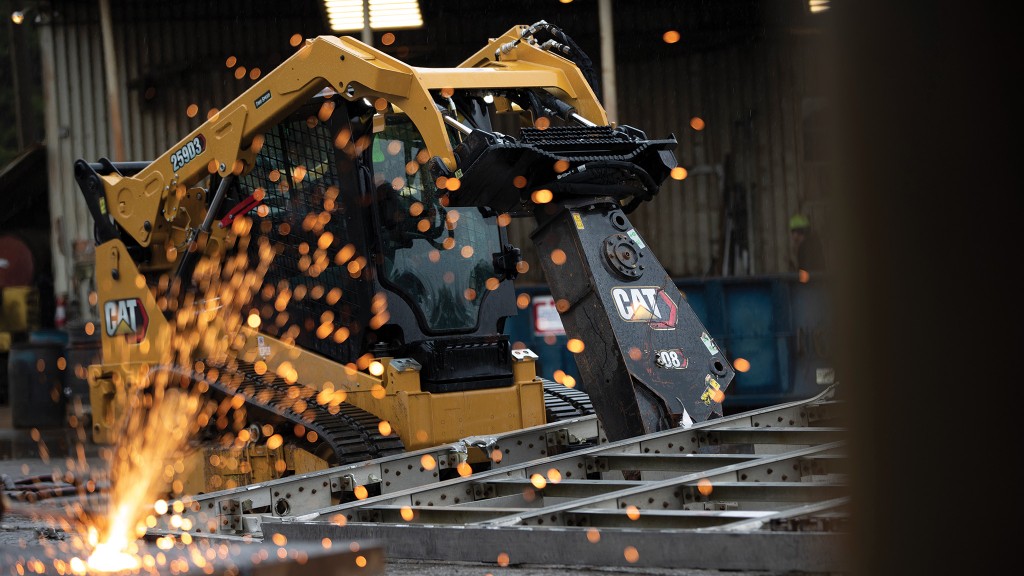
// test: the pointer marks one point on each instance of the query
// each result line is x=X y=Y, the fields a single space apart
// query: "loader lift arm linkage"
x=647 y=362
x=353 y=70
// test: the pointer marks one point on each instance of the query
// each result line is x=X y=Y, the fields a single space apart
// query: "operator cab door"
x=439 y=260
x=445 y=302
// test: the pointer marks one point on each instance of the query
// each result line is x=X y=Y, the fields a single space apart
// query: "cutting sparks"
x=111 y=557
x=152 y=441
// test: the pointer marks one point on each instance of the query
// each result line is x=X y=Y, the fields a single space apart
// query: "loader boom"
x=224 y=144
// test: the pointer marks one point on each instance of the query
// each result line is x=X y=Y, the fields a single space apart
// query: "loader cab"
x=307 y=174
x=368 y=256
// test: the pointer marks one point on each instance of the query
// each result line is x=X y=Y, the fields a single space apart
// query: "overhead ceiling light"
x=344 y=15
x=347 y=15
x=816 y=6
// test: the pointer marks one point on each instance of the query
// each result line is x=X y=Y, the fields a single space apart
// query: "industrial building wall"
x=757 y=103
x=170 y=55
x=756 y=73
x=761 y=156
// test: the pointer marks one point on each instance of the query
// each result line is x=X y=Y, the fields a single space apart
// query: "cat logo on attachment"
x=648 y=304
x=126 y=318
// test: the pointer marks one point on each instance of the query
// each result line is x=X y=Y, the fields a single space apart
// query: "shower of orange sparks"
x=162 y=415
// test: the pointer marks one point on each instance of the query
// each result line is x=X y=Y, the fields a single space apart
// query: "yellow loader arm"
x=143 y=202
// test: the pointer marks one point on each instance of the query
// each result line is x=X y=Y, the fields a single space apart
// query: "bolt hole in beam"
x=718 y=368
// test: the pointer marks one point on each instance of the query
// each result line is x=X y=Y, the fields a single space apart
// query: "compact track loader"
x=326 y=262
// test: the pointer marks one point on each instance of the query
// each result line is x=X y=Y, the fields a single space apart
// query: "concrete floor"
x=19 y=456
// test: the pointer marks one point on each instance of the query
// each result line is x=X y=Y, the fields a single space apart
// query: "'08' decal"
x=672 y=359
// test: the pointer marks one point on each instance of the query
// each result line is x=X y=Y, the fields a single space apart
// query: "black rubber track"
x=563 y=403
x=348 y=436
x=352 y=434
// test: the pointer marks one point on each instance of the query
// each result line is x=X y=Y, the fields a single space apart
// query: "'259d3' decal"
x=648 y=304
x=188 y=152
x=126 y=318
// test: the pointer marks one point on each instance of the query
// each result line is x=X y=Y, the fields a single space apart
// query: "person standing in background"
x=806 y=252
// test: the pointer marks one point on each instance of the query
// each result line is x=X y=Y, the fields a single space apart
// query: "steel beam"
x=608 y=547
x=403 y=480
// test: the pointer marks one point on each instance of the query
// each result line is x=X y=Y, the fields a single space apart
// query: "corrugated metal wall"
x=170 y=55
x=753 y=74
x=745 y=72
x=752 y=100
